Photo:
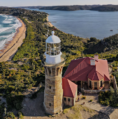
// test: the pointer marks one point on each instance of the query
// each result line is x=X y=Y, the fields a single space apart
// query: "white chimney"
x=96 y=57
x=92 y=62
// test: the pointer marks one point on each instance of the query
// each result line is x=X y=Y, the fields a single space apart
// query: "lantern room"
x=53 y=49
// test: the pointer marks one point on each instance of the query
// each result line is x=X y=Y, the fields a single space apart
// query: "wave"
x=4 y=29
x=8 y=27
x=7 y=21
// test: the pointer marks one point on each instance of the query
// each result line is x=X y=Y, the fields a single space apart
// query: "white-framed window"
x=53 y=49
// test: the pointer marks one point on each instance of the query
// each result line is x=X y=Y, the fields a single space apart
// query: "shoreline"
x=12 y=46
x=49 y=23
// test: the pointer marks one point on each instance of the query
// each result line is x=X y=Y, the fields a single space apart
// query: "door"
x=95 y=85
x=90 y=84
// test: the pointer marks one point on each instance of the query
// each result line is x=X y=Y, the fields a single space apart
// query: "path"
x=111 y=112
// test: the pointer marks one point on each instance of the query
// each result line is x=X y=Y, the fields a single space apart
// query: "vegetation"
x=77 y=111
x=106 y=8
x=83 y=97
x=80 y=7
x=1 y=109
x=26 y=71
x=69 y=8
x=9 y=115
x=20 y=115
x=109 y=98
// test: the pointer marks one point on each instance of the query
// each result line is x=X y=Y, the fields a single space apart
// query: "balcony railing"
x=43 y=59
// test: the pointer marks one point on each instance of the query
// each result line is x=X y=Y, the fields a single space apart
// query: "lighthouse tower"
x=53 y=64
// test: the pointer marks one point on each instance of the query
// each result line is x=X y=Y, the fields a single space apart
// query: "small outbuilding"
x=69 y=92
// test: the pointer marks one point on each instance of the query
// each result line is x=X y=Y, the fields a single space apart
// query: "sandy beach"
x=49 y=23
x=12 y=46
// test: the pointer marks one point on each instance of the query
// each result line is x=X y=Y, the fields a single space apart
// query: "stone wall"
x=115 y=83
x=93 y=91
x=69 y=100
x=53 y=94
x=98 y=84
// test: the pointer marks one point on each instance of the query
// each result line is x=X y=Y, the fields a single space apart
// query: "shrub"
x=20 y=115
x=90 y=100
x=9 y=115
x=65 y=111
x=83 y=97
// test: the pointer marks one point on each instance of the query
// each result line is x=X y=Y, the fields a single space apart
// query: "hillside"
x=82 y=7
x=68 y=8
x=106 y=8
x=106 y=45
x=25 y=70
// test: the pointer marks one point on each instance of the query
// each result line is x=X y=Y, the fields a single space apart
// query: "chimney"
x=96 y=57
x=92 y=62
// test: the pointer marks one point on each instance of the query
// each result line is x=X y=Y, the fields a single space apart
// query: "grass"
x=75 y=111
x=66 y=110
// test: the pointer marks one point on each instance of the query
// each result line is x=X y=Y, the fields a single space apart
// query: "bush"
x=90 y=100
x=83 y=97
x=20 y=115
x=14 y=102
x=9 y=115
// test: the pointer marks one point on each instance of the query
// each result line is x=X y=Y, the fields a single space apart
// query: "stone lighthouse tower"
x=53 y=64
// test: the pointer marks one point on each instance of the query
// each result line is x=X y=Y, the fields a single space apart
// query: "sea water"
x=8 y=27
x=84 y=23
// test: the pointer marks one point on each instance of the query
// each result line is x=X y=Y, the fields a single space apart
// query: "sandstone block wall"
x=53 y=94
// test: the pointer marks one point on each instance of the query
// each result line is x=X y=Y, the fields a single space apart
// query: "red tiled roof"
x=94 y=75
x=81 y=70
x=69 y=88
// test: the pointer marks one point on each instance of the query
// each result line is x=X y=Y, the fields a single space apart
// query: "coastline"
x=12 y=46
x=49 y=23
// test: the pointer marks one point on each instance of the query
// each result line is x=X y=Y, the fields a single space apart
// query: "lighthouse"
x=53 y=64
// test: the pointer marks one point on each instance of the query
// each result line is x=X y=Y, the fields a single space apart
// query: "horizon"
x=21 y=3
x=55 y=5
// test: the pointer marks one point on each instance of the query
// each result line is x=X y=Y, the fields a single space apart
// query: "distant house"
x=89 y=73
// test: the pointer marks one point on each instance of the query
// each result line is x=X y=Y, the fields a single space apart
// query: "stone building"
x=69 y=92
x=55 y=95
x=53 y=64
x=89 y=73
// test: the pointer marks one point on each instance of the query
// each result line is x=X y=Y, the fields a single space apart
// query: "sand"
x=49 y=23
x=11 y=47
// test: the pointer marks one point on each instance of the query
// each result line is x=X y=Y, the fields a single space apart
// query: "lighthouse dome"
x=53 y=39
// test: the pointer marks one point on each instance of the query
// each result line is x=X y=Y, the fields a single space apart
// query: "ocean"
x=8 y=27
x=84 y=23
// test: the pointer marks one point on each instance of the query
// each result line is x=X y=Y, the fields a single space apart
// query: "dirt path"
x=33 y=109
x=111 y=112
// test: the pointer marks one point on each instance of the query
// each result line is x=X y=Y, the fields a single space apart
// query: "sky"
x=54 y=2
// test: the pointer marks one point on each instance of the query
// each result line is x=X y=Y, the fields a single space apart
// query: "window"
x=49 y=104
x=49 y=87
x=90 y=84
x=53 y=49
x=68 y=99
x=64 y=99
x=101 y=84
